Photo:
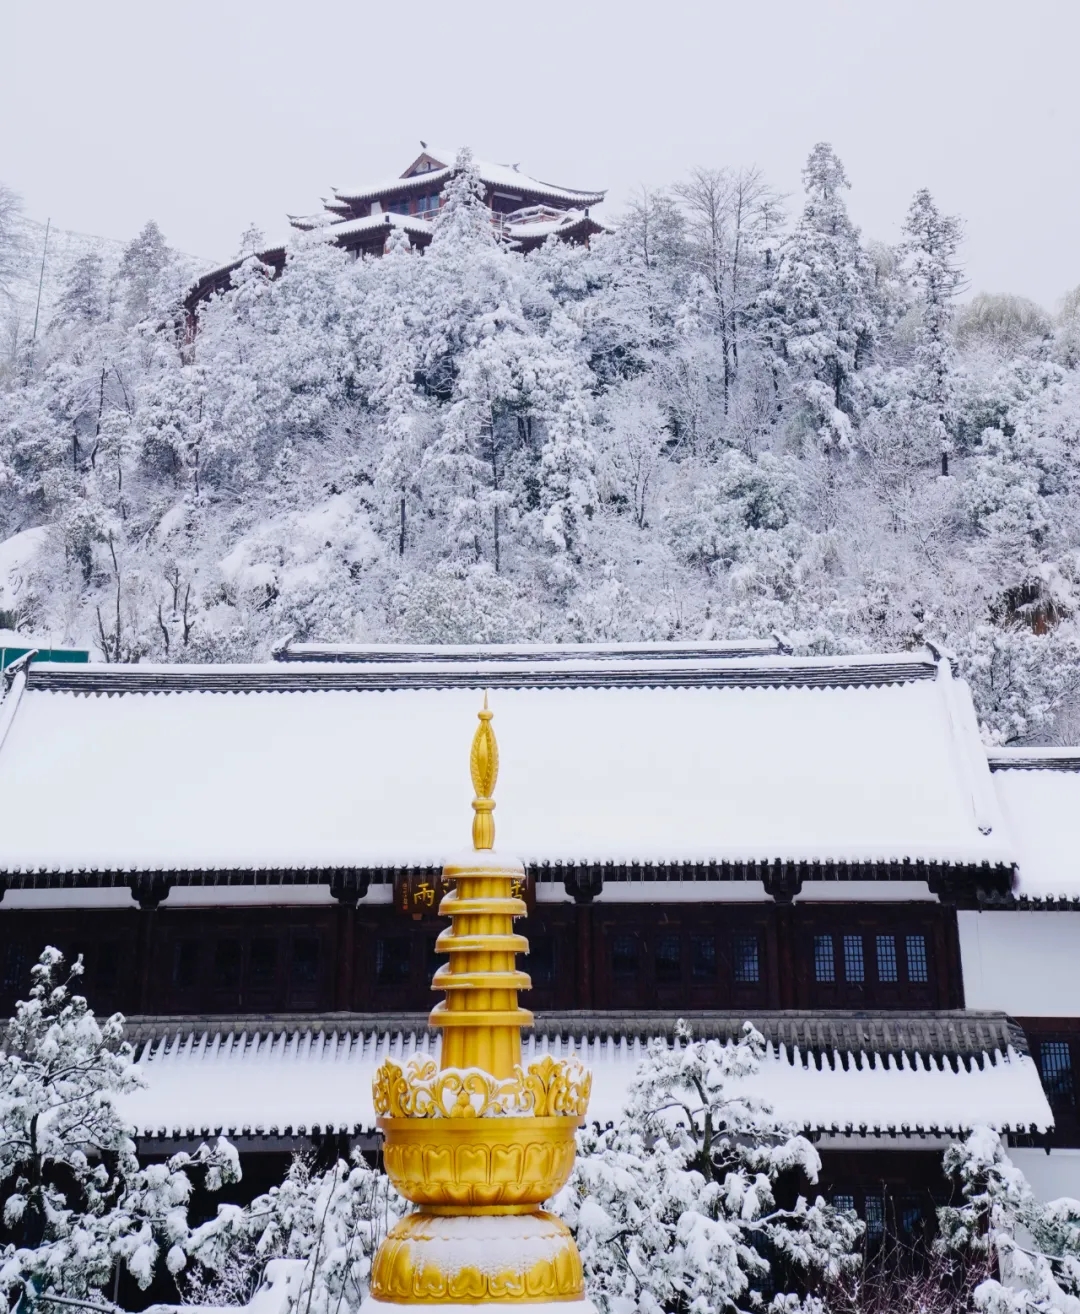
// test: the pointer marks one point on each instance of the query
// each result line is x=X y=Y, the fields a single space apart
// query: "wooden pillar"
x=147 y=922
x=584 y=918
x=948 y=964
x=786 y=958
x=345 y=951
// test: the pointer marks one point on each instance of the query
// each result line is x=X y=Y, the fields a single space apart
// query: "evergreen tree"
x=76 y=1202
x=144 y=262
x=84 y=299
x=931 y=242
x=819 y=313
x=675 y=1207
x=1036 y=1246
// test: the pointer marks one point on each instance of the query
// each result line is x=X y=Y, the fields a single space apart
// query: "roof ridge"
x=765 y=671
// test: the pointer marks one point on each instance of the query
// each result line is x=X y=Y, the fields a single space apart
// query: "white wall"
x=1024 y=963
x=1051 y=1175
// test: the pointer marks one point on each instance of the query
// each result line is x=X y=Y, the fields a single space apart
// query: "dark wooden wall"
x=370 y=958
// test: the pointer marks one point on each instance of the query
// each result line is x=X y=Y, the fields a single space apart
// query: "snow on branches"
x=332 y=1221
x=693 y=1200
x=76 y=1202
x=1035 y=1246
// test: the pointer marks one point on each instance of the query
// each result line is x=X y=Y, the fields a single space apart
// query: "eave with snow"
x=855 y=1076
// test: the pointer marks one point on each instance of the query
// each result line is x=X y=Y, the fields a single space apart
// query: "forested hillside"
x=732 y=416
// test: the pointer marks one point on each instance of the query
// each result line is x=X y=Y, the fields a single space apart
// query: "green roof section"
x=14 y=645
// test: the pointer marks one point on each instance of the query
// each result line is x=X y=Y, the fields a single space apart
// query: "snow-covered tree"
x=76 y=1203
x=1035 y=1246
x=333 y=1220
x=11 y=238
x=819 y=313
x=692 y=1202
x=931 y=242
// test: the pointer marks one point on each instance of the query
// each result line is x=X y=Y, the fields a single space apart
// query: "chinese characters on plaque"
x=419 y=893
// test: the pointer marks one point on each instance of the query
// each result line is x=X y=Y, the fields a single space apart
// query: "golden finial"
x=484 y=766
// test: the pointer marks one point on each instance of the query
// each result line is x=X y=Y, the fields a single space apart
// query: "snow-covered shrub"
x=691 y=1202
x=76 y=1203
x=1035 y=1246
x=334 y=1221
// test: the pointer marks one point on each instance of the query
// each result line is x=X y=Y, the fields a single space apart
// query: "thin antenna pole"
x=41 y=280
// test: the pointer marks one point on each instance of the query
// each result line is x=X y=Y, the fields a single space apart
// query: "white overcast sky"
x=207 y=115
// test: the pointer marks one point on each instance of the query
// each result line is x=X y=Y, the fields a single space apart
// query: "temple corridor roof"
x=651 y=758
x=878 y=1075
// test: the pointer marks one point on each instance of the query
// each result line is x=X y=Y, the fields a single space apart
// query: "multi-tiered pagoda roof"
x=525 y=212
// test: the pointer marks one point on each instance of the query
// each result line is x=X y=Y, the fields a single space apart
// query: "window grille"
x=108 y=966
x=263 y=962
x=843 y=1202
x=1055 y=1062
x=227 y=965
x=541 y=963
x=305 y=962
x=917 y=969
x=14 y=966
x=393 y=954
x=668 y=960
x=185 y=963
x=854 y=967
x=874 y=1208
x=824 y=965
x=624 y=955
x=746 y=961
x=886 y=958
x=703 y=957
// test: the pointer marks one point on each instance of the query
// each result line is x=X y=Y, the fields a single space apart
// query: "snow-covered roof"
x=200 y=1082
x=379 y=653
x=370 y=224
x=502 y=176
x=1039 y=793
x=295 y=766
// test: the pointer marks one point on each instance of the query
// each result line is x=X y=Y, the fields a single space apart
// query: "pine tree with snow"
x=75 y=1201
x=676 y=1209
x=818 y=316
x=1035 y=1246
x=145 y=261
x=931 y=243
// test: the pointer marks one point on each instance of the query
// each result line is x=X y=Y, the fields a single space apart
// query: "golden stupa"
x=478 y=1143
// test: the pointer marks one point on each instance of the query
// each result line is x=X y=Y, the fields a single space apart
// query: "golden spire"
x=484 y=766
x=481 y=1017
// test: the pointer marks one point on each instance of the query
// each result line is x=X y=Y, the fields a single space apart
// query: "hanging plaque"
x=419 y=893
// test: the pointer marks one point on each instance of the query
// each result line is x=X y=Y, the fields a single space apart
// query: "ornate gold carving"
x=406 y=1271
x=547 y=1088
x=460 y=1165
x=559 y=1087
x=484 y=768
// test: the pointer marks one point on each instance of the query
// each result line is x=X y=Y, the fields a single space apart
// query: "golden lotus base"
x=467 y=1260
x=469 y=1165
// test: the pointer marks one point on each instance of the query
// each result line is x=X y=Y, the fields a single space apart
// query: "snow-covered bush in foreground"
x=334 y=1221
x=76 y=1203
x=1036 y=1246
x=676 y=1207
